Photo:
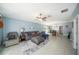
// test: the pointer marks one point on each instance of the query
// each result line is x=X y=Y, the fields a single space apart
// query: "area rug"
x=32 y=47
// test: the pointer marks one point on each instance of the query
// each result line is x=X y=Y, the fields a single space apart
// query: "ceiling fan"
x=42 y=17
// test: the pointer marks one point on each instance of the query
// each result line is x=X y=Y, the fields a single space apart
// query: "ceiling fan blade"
x=44 y=17
x=38 y=17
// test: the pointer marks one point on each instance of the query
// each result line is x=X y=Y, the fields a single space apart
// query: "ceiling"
x=28 y=11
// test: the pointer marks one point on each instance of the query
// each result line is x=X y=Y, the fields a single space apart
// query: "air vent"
x=64 y=10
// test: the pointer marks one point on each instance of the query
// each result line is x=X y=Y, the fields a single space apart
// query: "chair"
x=12 y=39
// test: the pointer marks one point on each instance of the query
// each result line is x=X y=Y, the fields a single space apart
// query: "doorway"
x=61 y=30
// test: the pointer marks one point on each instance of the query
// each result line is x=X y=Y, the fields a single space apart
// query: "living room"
x=31 y=28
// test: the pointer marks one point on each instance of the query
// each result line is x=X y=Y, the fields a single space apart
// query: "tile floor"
x=55 y=46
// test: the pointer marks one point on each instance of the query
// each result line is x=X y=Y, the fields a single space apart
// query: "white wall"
x=78 y=37
x=75 y=32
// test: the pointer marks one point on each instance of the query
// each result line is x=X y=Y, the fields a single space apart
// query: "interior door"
x=61 y=29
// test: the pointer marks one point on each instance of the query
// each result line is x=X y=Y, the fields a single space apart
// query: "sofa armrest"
x=11 y=42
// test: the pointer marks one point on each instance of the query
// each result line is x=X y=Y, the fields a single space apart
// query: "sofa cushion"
x=37 y=40
x=12 y=35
